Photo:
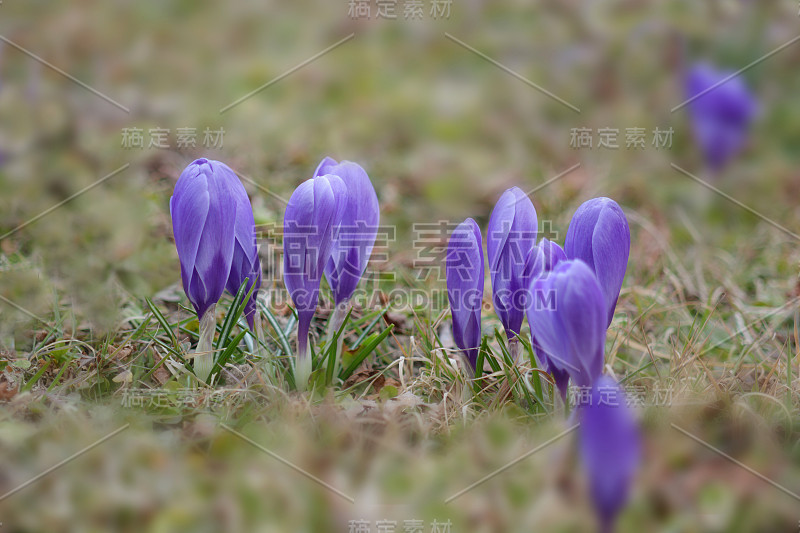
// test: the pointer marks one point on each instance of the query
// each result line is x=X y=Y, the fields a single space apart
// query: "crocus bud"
x=204 y=214
x=609 y=448
x=245 y=262
x=355 y=236
x=541 y=261
x=464 y=271
x=567 y=317
x=720 y=116
x=315 y=209
x=599 y=235
x=510 y=237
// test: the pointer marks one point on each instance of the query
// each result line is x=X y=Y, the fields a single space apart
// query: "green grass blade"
x=370 y=345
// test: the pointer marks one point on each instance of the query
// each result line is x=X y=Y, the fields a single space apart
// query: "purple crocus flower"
x=314 y=211
x=567 y=316
x=541 y=261
x=204 y=209
x=356 y=234
x=464 y=270
x=207 y=203
x=510 y=237
x=599 y=235
x=245 y=262
x=609 y=448
x=721 y=111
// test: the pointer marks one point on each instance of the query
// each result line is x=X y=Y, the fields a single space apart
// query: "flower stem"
x=513 y=349
x=334 y=324
x=204 y=353
x=302 y=364
x=258 y=333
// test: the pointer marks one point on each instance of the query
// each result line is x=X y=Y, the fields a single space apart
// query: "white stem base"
x=204 y=353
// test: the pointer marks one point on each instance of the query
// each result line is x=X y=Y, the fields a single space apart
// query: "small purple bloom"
x=567 y=316
x=355 y=236
x=314 y=211
x=541 y=261
x=609 y=447
x=245 y=262
x=599 y=235
x=204 y=209
x=509 y=239
x=464 y=270
x=721 y=112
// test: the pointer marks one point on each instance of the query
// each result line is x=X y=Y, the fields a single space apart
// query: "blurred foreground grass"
x=708 y=311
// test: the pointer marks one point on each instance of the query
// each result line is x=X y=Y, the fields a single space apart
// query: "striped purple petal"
x=510 y=236
x=355 y=236
x=599 y=235
x=465 y=278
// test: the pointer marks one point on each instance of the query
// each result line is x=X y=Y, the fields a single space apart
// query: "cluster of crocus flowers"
x=569 y=296
x=721 y=110
x=214 y=230
x=329 y=227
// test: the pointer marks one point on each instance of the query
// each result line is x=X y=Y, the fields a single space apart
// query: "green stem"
x=204 y=353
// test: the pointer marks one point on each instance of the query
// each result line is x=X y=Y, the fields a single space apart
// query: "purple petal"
x=567 y=318
x=465 y=278
x=609 y=446
x=204 y=210
x=511 y=235
x=599 y=235
x=324 y=166
x=722 y=115
x=356 y=234
x=314 y=210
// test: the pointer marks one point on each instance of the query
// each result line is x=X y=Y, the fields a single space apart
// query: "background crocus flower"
x=465 y=277
x=567 y=317
x=599 y=235
x=720 y=116
x=245 y=262
x=510 y=236
x=314 y=211
x=542 y=259
x=609 y=447
x=204 y=213
x=355 y=238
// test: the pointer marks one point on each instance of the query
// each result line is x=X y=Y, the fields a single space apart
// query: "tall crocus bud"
x=541 y=261
x=464 y=270
x=510 y=237
x=245 y=262
x=599 y=235
x=314 y=211
x=721 y=111
x=609 y=447
x=567 y=316
x=356 y=234
x=204 y=213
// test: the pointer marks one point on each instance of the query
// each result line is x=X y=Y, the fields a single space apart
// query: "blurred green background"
x=441 y=132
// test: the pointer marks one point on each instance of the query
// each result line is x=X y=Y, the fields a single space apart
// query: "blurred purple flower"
x=599 y=235
x=464 y=272
x=245 y=262
x=315 y=209
x=720 y=116
x=541 y=261
x=610 y=448
x=567 y=317
x=355 y=236
x=204 y=208
x=509 y=239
